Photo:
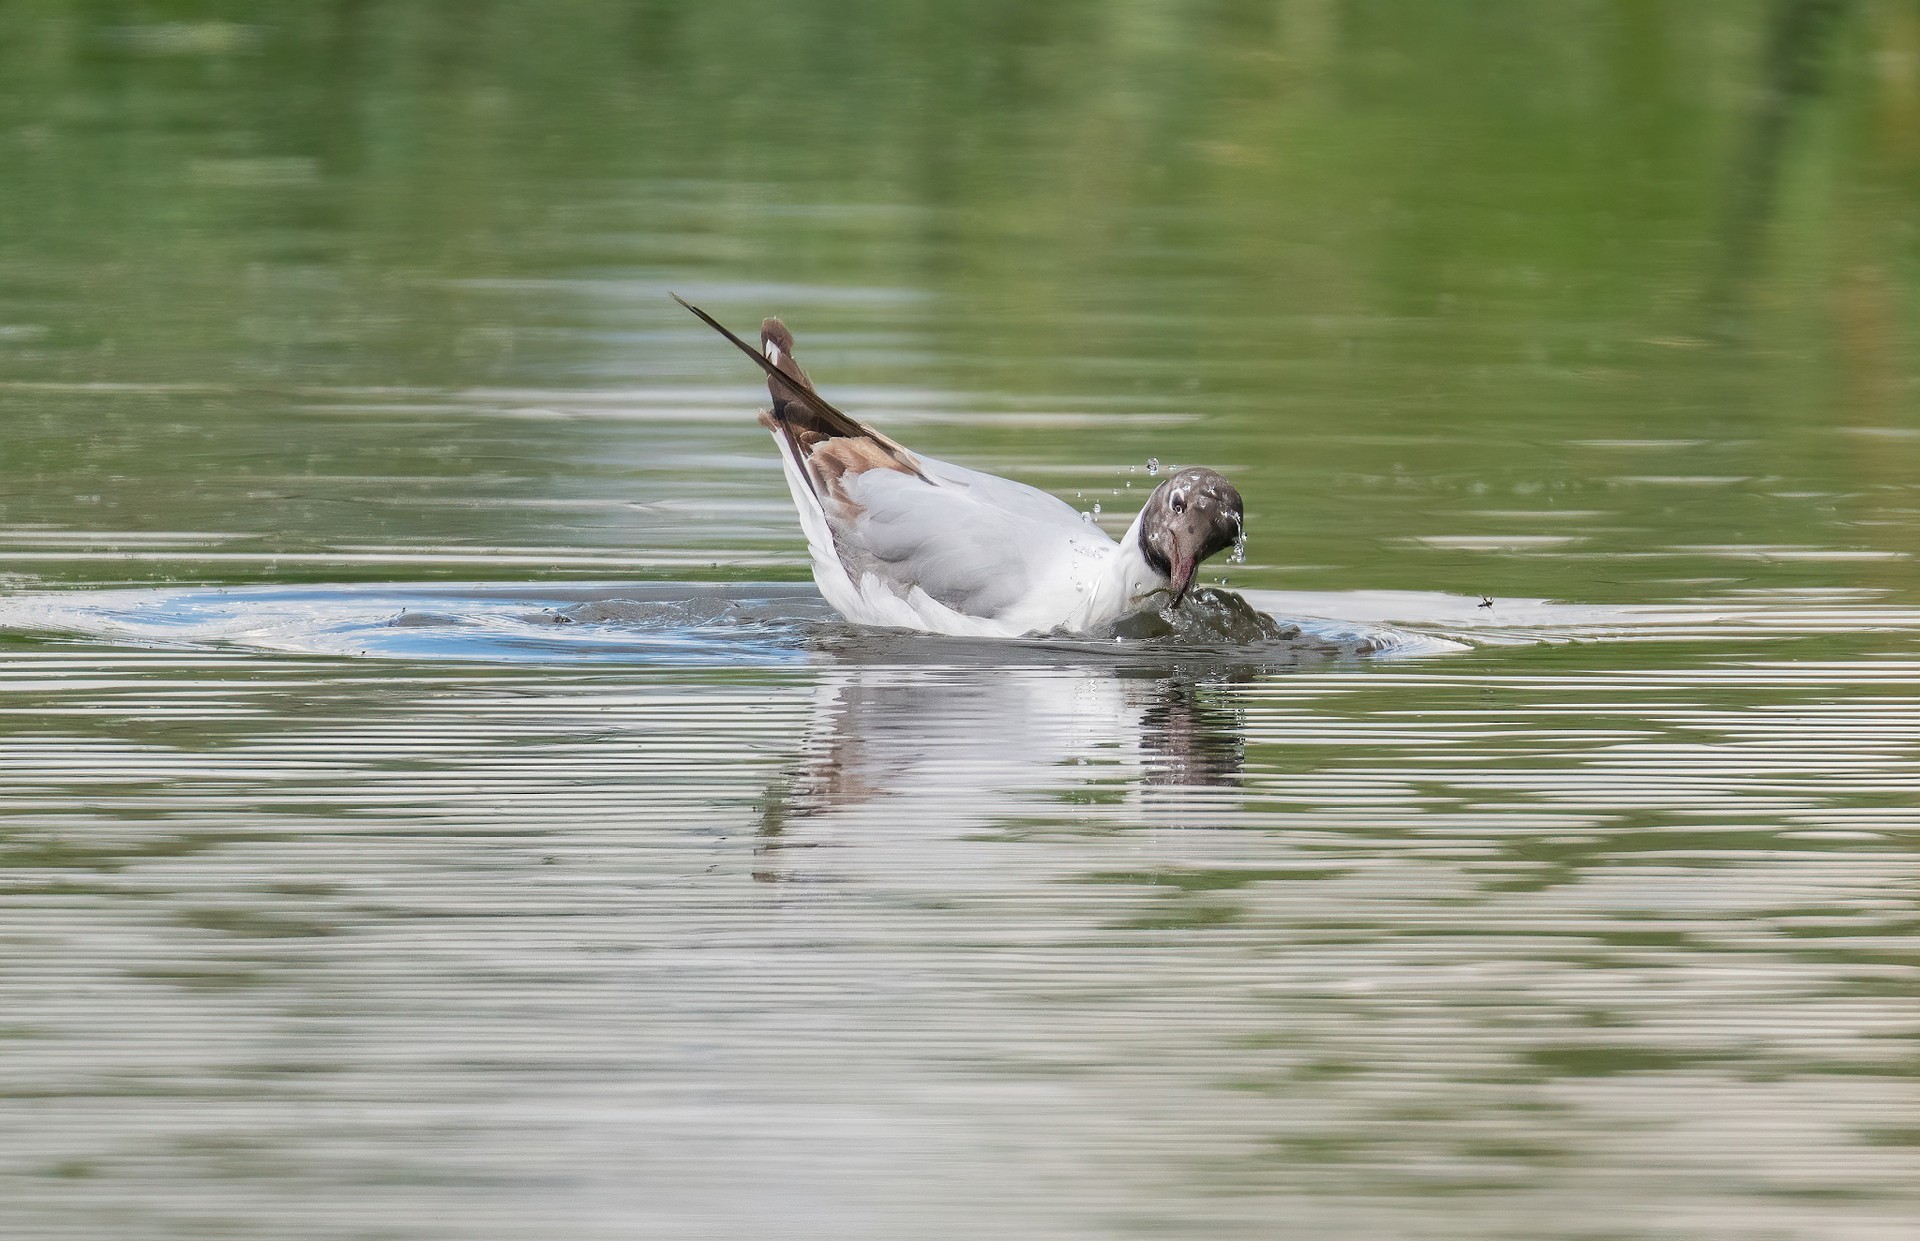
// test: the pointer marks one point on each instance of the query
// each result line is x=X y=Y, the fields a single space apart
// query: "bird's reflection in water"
x=1192 y=734
x=961 y=749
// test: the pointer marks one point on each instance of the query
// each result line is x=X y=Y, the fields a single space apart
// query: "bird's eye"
x=1179 y=504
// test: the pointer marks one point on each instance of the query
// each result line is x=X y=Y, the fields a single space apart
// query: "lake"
x=436 y=806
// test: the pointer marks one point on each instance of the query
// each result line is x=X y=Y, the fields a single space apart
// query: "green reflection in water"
x=1601 y=302
x=1448 y=288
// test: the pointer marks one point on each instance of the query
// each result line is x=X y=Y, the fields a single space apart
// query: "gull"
x=904 y=541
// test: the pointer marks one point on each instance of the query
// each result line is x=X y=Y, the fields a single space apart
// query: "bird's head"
x=1191 y=516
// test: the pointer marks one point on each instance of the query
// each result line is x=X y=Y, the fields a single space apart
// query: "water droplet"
x=1087 y=517
x=1153 y=466
x=1239 y=555
x=1096 y=508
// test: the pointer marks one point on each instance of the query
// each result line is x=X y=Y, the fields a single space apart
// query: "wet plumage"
x=904 y=540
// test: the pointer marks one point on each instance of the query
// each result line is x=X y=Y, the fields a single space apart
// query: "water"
x=434 y=805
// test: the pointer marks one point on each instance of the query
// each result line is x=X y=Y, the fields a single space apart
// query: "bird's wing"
x=795 y=403
x=974 y=542
x=978 y=544
x=1042 y=508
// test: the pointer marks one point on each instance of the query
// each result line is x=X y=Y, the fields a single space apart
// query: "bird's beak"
x=1181 y=579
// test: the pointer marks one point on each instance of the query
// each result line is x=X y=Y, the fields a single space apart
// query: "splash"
x=682 y=624
x=1153 y=467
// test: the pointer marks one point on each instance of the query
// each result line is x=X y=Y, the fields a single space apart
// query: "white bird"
x=902 y=540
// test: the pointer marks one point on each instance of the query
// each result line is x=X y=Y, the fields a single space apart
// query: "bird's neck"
x=1124 y=582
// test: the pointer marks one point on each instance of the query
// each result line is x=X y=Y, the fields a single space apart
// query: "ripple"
x=668 y=623
x=1412 y=926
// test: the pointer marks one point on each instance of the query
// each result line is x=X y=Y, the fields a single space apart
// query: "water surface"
x=434 y=805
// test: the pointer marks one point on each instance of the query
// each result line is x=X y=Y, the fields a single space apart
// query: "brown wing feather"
x=776 y=343
x=815 y=417
x=832 y=462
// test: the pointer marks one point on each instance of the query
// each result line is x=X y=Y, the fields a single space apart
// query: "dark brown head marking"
x=1193 y=515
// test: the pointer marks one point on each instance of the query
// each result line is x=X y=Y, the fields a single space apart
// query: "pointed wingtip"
x=710 y=321
x=801 y=386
